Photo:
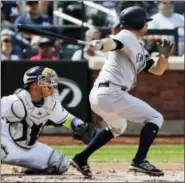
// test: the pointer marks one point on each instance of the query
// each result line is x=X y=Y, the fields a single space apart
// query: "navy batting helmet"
x=134 y=17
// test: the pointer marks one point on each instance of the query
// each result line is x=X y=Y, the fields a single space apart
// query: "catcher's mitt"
x=84 y=132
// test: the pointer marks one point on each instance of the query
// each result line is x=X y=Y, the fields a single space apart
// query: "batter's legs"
x=80 y=160
x=132 y=109
x=139 y=163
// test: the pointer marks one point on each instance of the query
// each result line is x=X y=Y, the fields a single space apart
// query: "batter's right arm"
x=106 y=44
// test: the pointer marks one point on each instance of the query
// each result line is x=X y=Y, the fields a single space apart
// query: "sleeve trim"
x=149 y=64
x=119 y=45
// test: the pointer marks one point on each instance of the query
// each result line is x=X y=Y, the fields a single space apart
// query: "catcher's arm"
x=162 y=63
x=80 y=130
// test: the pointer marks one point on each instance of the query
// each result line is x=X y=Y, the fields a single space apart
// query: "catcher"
x=23 y=116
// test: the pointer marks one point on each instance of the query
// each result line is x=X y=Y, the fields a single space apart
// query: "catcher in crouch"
x=23 y=116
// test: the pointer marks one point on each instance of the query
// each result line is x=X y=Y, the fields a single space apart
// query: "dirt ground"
x=102 y=172
x=68 y=140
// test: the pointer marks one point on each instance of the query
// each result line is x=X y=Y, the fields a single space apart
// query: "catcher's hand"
x=165 y=47
x=84 y=132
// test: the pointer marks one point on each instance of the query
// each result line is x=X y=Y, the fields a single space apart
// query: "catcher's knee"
x=118 y=127
x=4 y=153
x=58 y=163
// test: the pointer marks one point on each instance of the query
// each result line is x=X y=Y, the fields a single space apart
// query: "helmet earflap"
x=136 y=25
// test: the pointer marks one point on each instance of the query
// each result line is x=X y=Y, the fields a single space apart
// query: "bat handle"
x=83 y=42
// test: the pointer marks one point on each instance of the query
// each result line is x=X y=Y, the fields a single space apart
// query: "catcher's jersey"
x=123 y=65
x=23 y=121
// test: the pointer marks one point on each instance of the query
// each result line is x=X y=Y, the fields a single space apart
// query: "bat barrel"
x=41 y=32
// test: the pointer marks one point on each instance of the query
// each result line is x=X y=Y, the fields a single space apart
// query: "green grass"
x=125 y=153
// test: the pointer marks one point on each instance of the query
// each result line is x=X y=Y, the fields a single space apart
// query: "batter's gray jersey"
x=123 y=65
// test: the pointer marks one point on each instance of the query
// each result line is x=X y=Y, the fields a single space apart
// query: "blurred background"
x=68 y=18
x=89 y=20
x=79 y=66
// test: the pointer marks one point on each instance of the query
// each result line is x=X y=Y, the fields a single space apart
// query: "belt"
x=107 y=84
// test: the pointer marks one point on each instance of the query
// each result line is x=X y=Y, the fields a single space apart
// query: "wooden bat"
x=41 y=32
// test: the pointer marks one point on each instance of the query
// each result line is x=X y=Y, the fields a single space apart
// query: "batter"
x=109 y=97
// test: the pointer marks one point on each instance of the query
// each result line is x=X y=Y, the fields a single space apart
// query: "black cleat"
x=84 y=168
x=145 y=167
x=29 y=171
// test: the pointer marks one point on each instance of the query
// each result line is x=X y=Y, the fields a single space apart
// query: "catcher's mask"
x=47 y=81
x=45 y=78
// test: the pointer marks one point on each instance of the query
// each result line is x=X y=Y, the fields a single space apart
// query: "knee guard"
x=58 y=163
x=118 y=127
x=4 y=153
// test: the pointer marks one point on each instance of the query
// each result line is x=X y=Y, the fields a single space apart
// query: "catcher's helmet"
x=40 y=74
x=32 y=74
x=133 y=17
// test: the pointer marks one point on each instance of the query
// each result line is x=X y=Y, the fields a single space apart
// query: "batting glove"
x=165 y=47
x=96 y=45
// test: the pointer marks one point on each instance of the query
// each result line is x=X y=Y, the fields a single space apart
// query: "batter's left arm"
x=159 y=67
x=162 y=63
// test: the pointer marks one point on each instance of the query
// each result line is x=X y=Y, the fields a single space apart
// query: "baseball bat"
x=41 y=32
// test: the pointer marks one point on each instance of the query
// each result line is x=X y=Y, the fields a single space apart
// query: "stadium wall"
x=164 y=93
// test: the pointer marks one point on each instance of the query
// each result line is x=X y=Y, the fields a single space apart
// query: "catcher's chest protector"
x=26 y=132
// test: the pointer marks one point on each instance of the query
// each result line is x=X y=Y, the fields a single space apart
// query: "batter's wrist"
x=164 y=56
x=101 y=47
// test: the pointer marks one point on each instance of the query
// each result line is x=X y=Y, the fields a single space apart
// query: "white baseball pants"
x=116 y=106
x=36 y=158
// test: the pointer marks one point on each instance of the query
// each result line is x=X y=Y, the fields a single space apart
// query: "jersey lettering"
x=123 y=65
